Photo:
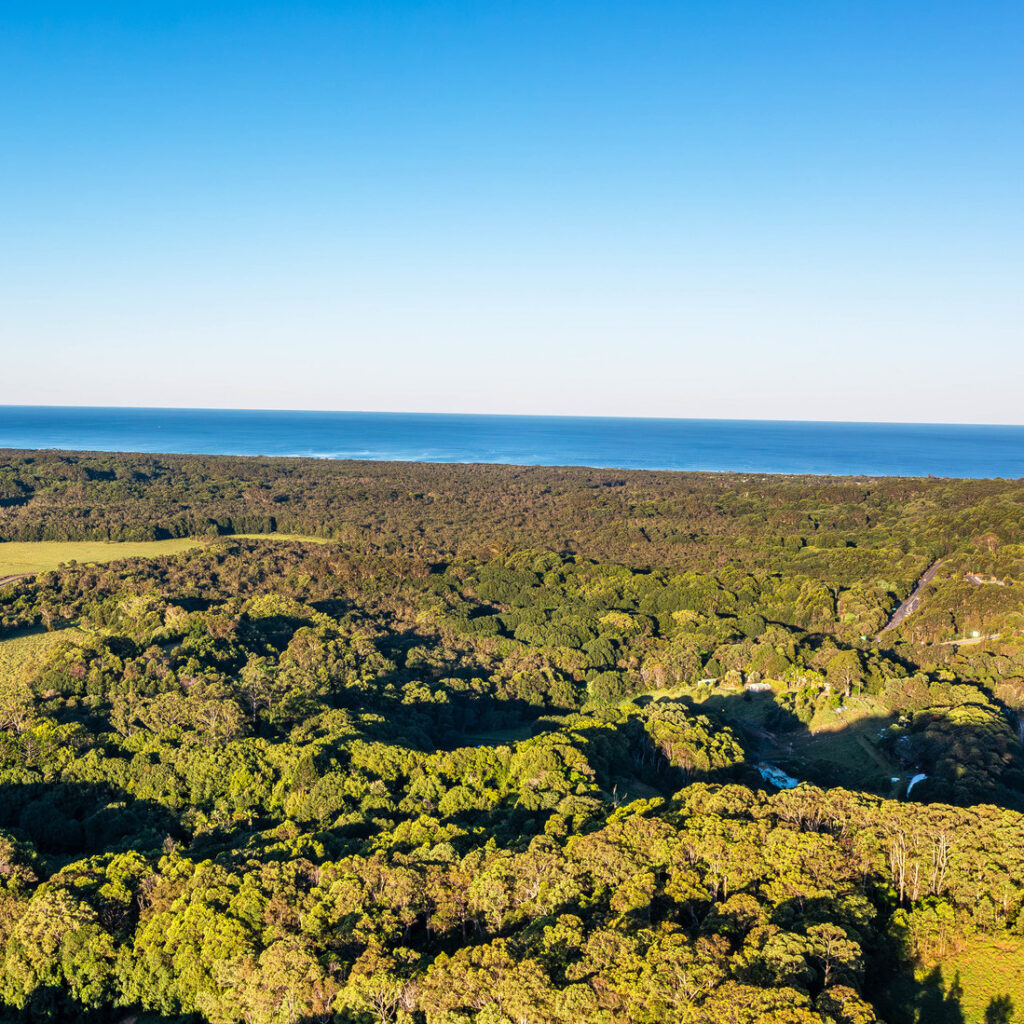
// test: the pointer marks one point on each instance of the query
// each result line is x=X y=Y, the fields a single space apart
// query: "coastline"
x=780 y=447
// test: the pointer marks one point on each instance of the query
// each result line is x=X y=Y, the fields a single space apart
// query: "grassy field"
x=991 y=975
x=39 y=556
x=21 y=655
x=982 y=984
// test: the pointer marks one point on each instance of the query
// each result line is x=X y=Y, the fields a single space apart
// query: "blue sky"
x=808 y=210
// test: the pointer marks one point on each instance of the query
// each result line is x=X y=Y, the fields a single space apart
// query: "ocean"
x=748 y=446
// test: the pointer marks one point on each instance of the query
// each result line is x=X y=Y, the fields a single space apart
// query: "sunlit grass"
x=989 y=970
x=21 y=655
x=40 y=556
x=19 y=557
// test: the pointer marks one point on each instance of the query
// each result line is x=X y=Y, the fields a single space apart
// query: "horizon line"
x=508 y=415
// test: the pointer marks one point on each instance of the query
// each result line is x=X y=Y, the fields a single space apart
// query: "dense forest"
x=505 y=745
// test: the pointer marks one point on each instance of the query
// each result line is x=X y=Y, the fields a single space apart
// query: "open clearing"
x=21 y=655
x=835 y=748
x=29 y=557
x=991 y=972
x=20 y=558
x=981 y=984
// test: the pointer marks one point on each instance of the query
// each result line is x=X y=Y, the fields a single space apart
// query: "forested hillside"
x=509 y=746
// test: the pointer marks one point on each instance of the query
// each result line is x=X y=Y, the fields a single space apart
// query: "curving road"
x=18 y=576
x=912 y=603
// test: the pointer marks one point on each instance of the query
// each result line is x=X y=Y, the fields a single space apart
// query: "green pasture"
x=18 y=557
x=983 y=983
x=990 y=972
x=21 y=655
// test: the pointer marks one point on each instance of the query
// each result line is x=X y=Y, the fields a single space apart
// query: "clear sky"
x=799 y=210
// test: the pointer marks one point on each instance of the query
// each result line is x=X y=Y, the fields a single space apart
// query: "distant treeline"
x=638 y=518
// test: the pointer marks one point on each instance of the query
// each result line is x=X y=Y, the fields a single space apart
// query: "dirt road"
x=19 y=576
x=912 y=603
x=969 y=640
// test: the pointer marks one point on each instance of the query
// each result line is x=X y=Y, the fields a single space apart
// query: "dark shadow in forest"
x=80 y=819
x=939 y=1003
x=50 y=1003
x=927 y=1000
x=1000 y=1010
x=336 y=607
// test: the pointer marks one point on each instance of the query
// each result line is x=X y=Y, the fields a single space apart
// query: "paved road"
x=912 y=603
